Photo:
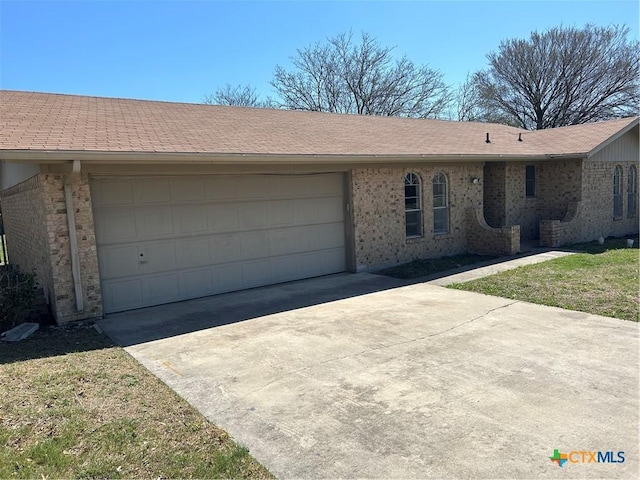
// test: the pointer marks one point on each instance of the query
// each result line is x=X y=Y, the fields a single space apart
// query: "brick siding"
x=58 y=234
x=35 y=216
x=379 y=214
x=24 y=218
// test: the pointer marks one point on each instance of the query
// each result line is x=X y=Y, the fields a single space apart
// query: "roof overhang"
x=60 y=156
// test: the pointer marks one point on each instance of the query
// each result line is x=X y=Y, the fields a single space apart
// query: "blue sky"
x=183 y=50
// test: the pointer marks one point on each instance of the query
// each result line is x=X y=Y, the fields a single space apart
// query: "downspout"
x=73 y=236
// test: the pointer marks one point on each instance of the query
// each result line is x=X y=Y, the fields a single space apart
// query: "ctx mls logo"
x=559 y=458
x=583 y=456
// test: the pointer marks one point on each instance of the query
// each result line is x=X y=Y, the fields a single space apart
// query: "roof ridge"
x=264 y=109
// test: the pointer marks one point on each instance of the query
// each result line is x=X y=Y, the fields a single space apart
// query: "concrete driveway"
x=353 y=376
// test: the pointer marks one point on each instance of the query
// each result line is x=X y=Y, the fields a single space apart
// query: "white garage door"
x=164 y=239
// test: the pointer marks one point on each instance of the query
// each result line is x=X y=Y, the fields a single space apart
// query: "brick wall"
x=379 y=214
x=58 y=235
x=24 y=219
x=558 y=183
x=597 y=218
x=494 y=188
x=35 y=218
x=484 y=239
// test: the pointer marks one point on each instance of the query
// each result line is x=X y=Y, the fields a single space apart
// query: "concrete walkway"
x=414 y=381
x=474 y=272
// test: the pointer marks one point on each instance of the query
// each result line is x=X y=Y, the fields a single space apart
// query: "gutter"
x=73 y=235
x=101 y=157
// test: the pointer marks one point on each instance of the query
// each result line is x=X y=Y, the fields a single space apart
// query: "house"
x=119 y=204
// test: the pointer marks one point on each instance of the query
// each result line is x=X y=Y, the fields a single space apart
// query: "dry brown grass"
x=75 y=406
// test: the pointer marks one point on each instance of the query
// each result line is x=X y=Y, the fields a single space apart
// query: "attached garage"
x=165 y=239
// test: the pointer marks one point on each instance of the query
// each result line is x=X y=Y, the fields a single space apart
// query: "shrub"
x=17 y=295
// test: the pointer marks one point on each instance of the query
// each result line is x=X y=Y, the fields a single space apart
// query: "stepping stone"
x=20 y=332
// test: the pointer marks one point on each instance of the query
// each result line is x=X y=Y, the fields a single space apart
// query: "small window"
x=440 y=204
x=632 y=191
x=530 y=180
x=617 y=192
x=412 y=205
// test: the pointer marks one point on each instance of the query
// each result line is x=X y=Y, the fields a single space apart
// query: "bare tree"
x=469 y=106
x=238 y=95
x=467 y=102
x=564 y=76
x=345 y=75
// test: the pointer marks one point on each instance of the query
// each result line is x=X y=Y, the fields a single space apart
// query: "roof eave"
x=64 y=156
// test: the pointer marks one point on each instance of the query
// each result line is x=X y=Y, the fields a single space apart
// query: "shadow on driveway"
x=163 y=321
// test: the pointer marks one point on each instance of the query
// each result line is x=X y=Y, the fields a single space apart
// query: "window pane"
x=530 y=181
x=440 y=220
x=439 y=201
x=616 y=180
x=411 y=203
x=412 y=223
x=617 y=192
x=617 y=206
x=439 y=189
x=632 y=191
x=411 y=191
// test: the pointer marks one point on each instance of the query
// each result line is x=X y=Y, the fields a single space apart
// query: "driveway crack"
x=463 y=323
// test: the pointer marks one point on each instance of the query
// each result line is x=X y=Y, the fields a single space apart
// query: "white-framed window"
x=632 y=191
x=617 y=192
x=412 y=205
x=440 y=204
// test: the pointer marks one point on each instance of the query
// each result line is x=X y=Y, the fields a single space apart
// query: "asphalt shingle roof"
x=55 y=122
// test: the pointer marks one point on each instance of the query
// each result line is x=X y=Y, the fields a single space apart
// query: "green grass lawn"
x=602 y=279
x=75 y=406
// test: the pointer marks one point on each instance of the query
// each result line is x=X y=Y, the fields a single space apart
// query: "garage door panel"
x=152 y=190
x=225 y=248
x=256 y=273
x=159 y=257
x=195 y=283
x=187 y=190
x=193 y=252
x=207 y=235
x=116 y=225
x=252 y=215
x=191 y=219
x=318 y=237
x=330 y=210
x=283 y=241
x=220 y=188
x=119 y=261
x=160 y=288
x=154 y=222
x=113 y=192
x=228 y=277
x=223 y=217
x=254 y=244
x=122 y=294
x=285 y=268
x=280 y=213
x=323 y=262
x=306 y=211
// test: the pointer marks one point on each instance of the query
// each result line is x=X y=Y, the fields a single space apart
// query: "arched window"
x=412 y=205
x=632 y=191
x=617 y=192
x=440 y=204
